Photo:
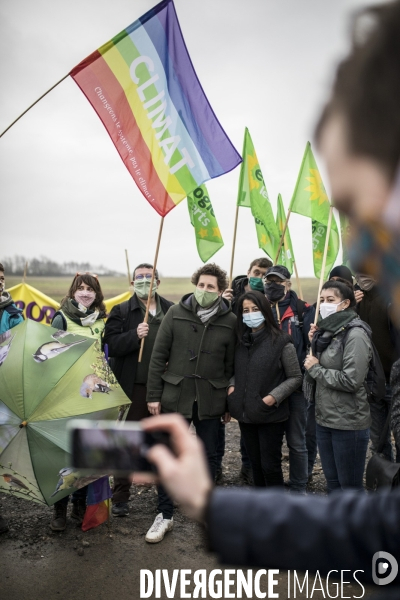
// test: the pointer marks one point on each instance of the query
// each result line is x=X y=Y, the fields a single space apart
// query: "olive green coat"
x=341 y=400
x=192 y=362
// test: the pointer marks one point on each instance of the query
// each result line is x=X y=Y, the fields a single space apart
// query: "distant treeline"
x=46 y=267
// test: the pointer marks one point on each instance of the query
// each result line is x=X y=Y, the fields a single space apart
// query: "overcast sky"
x=65 y=193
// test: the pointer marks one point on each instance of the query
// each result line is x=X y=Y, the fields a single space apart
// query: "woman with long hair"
x=82 y=311
x=266 y=373
x=337 y=369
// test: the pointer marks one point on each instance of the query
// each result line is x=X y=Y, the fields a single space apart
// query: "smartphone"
x=106 y=447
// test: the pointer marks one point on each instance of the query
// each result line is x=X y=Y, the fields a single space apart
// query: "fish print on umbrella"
x=67 y=478
x=53 y=349
x=4 y=350
x=92 y=383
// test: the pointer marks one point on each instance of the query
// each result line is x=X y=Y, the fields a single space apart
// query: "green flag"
x=286 y=255
x=310 y=199
x=202 y=217
x=253 y=194
x=345 y=235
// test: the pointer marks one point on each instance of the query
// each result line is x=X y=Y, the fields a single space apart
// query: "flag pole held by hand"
x=146 y=316
x=321 y=279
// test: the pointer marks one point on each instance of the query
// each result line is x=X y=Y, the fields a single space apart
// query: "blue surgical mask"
x=253 y=320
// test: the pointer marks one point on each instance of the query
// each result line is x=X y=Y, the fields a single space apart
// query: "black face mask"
x=275 y=292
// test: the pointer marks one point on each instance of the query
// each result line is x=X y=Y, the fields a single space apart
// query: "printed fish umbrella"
x=48 y=377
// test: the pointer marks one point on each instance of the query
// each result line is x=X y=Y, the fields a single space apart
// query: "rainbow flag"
x=98 y=503
x=144 y=88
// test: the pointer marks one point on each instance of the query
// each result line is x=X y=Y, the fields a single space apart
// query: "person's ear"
x=158 y=282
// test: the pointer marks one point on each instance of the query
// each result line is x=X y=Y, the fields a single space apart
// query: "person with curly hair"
x=190 y=368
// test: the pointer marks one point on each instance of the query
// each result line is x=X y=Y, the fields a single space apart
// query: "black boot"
x=59 y=521
x=78 y=510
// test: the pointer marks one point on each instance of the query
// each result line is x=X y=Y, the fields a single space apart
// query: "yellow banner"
x=41 y=308
x=116 y=300
x=36 y=306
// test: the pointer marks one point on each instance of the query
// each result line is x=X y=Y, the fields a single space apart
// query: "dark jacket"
x=192 y=361
x=395 y=384
x=374 y=310
x=260 y=369
x=297 y=326
x=123 y=342
x=271 y=529
x=341 y=400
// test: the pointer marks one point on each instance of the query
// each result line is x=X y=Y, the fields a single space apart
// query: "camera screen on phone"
x=112 y=450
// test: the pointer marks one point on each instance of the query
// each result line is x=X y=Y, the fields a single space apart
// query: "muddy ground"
x=104 y=563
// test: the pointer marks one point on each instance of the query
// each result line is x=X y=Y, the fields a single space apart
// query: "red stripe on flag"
x=95 y=515
x=95 y=78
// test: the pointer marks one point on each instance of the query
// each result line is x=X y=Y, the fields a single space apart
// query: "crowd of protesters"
x=253 y=352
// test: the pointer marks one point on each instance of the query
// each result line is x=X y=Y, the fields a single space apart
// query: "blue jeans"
x=379 y=413
x=311 y=437
x=295 y=429
x=207 y=432
x=343 y=453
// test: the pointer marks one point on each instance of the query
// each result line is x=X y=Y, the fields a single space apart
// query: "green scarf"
x=337 y=321
x=71 y=310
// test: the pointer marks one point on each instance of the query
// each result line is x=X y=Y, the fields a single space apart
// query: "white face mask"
x=328 y=308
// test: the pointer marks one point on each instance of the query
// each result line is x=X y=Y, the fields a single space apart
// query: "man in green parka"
x=190 y=367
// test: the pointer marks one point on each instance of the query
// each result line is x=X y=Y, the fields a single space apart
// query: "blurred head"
x=359 y=130
x=85 y=289
x=253 y=303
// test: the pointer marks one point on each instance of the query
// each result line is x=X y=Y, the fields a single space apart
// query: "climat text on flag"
x=144 y=88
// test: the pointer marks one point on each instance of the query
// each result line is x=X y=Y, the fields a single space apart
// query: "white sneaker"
x=159 y=529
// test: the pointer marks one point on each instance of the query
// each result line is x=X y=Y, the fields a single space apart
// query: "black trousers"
x=207 y=431
x=138 y=410
x=264 y=447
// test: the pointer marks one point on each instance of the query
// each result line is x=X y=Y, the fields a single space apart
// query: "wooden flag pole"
x=127 y=266
x=146 y=316
x=233 y=247
x=282 y=236
x=321 y=279
x=32 y=105
x=299 y=290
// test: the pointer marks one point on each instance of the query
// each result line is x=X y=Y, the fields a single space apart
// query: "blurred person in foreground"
x=359 y=138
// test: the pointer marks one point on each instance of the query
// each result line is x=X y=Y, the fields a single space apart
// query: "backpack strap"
x=124 y=309
x=300 y=311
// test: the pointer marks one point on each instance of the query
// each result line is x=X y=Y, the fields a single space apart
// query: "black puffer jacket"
x=264 y=366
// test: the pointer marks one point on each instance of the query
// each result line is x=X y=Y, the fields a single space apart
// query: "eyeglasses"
x=148 y=276
x=86 y=273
